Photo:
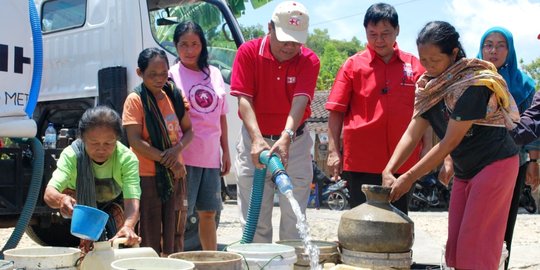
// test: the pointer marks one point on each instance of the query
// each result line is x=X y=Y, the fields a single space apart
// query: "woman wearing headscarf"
x=497 y=47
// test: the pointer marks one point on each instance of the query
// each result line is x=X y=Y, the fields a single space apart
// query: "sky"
x=344 y=20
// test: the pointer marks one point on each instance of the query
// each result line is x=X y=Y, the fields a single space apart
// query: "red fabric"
x=477 y=216
x=377 y=99
x=272 y=84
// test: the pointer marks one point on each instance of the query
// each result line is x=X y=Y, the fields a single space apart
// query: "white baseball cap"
x=291 y=21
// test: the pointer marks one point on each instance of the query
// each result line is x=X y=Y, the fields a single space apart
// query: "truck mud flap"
x=112 y=85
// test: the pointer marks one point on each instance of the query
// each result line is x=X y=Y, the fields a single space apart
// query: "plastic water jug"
x=49 y=142
x=105 y=252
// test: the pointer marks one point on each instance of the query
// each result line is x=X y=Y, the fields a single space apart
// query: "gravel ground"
x=324 y=224
x=432 y=226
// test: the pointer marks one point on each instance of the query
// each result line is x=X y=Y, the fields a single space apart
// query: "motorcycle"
x=335 y=195
x=526 y=200
x=428 y=193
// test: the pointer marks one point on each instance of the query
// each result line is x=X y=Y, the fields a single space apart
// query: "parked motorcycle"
x=428 y=193
x=526 y=200
x=335 y=195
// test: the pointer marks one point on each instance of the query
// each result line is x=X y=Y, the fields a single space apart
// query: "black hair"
x=149 y=53
x=442 y=35
x=192 y=27
x=100 y=116
x=381 y=12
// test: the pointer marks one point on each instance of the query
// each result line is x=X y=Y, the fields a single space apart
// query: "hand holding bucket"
x=88 y=222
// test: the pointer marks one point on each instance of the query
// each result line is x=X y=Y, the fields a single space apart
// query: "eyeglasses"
x=488 y=47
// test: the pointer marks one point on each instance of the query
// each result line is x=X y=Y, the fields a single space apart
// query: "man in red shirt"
x=274 y=78
x=372 y=102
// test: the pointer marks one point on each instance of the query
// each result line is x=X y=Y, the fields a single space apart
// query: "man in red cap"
x=274 y=78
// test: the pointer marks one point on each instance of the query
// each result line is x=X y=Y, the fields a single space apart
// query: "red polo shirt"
x=377 y=99
x=272 y=84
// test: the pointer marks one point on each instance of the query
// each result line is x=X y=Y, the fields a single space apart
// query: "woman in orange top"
x=158 y=129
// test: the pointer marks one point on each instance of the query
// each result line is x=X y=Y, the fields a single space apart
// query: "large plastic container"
x=266 y=256
x=105 y=252
x=150 y=263
x=43 y=258
x=6 y=265
x=88 y=222
x=211 y=260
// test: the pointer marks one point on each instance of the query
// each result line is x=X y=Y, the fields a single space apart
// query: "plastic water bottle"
x=50 y=137
x=283 y=182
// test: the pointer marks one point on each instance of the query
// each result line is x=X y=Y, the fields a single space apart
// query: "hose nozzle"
x=279 y=176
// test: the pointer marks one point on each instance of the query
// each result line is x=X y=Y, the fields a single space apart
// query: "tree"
x=318 y=40
x=332 y=54
x=252 y=31
x=533 y=69
x=331 y=61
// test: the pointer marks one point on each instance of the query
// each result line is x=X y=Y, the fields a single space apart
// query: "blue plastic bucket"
x=88 y=222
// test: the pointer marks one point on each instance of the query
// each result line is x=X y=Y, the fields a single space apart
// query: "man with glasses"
x=274 y=78
x=372 y=103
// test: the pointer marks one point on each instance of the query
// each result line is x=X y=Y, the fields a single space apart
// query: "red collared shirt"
x=272 y=84
x=378 y=100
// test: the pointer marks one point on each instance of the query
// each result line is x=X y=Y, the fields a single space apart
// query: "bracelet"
x=533 y=160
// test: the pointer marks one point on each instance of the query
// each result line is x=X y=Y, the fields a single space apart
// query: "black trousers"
x=355 y=180
x=514 y=207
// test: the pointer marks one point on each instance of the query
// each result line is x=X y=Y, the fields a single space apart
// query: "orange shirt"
x=134 y=115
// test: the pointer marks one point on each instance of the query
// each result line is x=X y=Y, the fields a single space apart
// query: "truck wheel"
x=191 y=234
x=55 y=235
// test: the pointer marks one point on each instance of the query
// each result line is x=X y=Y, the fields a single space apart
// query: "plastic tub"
x=211 y=260
x=6 y=265
x=151 y=263
x=88 y=222
x=43 y=258
x=266 y=256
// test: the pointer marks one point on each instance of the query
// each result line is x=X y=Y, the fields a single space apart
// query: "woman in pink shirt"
x=203 y=87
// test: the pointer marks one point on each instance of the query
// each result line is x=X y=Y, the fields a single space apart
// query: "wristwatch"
x=533 y=160
x=289 y=132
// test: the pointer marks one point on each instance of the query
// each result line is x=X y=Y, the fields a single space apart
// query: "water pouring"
x=285 y=187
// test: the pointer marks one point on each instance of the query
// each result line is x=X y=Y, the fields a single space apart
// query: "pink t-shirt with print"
x=207 y=97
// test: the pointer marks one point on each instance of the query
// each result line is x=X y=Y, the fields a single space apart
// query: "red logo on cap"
x=294 y=21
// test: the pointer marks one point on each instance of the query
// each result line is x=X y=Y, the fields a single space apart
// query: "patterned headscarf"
x=521 y=86
x=450 y=85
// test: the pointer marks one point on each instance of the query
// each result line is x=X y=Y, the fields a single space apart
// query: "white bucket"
x=6 y=265
x=266 y=256
x=151 y=263
x=43 y=258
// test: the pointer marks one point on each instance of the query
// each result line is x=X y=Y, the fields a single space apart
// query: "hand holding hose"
x=257 y=146
x=281 y=148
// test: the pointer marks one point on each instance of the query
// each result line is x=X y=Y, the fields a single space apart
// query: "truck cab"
x=90 y=51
